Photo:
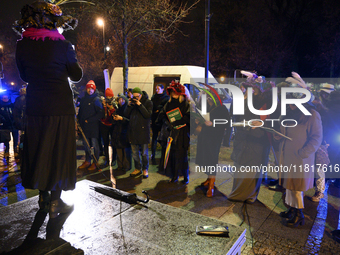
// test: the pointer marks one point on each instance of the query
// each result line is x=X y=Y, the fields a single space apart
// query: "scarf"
x=42 y=33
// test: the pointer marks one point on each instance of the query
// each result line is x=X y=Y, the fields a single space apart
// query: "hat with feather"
x=298 y=81
x=41 y=14
x=253 y=80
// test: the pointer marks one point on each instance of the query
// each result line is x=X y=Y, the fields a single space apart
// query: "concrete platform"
x=103 y=225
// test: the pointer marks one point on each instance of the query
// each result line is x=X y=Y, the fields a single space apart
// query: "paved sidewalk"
x=268 y=234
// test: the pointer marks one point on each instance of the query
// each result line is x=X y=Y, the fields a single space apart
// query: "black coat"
x=331 y=125
x=139 y=115
x=91 y=110
x=6 y=115
x=181 y=137
x=19 y=112
x=210 y=138
x=120 y=129
x=249 y=144
x=158 y=101
x=48 y=92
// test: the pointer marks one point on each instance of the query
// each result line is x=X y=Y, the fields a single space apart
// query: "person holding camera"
x=139 y=112
x=158 y=100
x=120 y=138
x=90 y=112
x=106 y=126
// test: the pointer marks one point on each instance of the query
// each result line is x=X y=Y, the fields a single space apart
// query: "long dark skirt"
x=49 y=154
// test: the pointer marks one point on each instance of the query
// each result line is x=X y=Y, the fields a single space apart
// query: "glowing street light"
x=12 y=83
x=222 y=78
x=101 y=23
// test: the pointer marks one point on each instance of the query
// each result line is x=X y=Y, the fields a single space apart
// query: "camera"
x=134 y=100
x=110 y=102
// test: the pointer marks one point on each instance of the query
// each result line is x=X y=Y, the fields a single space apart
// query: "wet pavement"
x=266 y=233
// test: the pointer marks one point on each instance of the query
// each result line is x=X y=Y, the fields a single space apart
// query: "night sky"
x=10 y=10
x=310 y=56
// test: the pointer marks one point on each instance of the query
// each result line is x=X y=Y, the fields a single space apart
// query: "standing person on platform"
x=120 y=138
x=46 y=60
x=179 y=130
x=89 y=115
x=106 y=126
x=158 y=100
x=139 y=112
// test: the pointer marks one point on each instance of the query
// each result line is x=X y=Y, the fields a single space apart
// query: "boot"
x=136 y=172
x=86 y=164
x=287 y=214
x=206 y=183
x=92 y=167
x=44 y=200
x=58 y=206
x=210 y=191
x=297 y=219
x=145 y=173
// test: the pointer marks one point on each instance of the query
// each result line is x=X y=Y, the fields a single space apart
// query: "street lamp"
x=101 y=23
x=2 y=67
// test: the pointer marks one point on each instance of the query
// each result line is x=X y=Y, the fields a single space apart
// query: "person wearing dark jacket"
x=120 y=139
x=19 y=116
x=46 y=61
x=332 y=134
x=89 y=115
x=250 y=146
x=106 y=126
x=158 y=100
x=139 y=112
x=7 y=125
x=209 y=142
x=179 y=130
x=19 y=110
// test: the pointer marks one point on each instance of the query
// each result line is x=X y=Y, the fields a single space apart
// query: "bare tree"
x=130 y=19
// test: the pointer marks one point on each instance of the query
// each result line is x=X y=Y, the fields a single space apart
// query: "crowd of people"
x=45 y=118
x=312 y=150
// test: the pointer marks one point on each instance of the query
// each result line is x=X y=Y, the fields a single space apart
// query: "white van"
x=148 y=77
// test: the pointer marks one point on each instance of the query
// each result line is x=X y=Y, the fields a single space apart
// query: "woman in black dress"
x=45 y=61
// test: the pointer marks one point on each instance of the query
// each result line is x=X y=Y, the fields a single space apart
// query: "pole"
x=104 y=41
x=207 y=20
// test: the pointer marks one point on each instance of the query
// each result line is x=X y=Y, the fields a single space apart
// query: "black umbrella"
x=117 y=194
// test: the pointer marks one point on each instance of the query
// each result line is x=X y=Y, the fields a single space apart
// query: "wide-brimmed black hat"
x=43 y=15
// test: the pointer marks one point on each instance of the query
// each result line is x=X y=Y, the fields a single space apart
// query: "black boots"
x=287 y=214
x=297 y=218
x=44 y=200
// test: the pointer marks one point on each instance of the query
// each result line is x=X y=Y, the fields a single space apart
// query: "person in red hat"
x=89 y=115
x=179 y=126
x=106 y=126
